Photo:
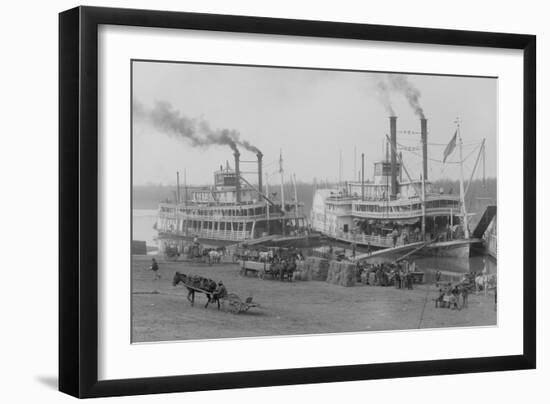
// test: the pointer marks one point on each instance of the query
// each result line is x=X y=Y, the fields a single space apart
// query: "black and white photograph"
x=274 y=201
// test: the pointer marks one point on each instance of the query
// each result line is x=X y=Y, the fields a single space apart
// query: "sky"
x=311 y=116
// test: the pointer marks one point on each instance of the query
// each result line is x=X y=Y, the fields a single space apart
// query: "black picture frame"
x=78 y=200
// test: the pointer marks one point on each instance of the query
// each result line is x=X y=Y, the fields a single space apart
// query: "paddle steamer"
x=394 y=210
x=231 y=211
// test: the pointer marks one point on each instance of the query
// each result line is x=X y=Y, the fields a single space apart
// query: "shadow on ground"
x=48 y=381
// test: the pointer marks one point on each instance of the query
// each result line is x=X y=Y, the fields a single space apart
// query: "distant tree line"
x=481 y=193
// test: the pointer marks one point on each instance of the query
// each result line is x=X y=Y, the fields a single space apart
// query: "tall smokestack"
x=260 y=174
x=424 y=137
x=393 y=140
x=237 y=175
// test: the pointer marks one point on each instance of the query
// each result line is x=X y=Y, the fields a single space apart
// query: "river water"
x=142 y=225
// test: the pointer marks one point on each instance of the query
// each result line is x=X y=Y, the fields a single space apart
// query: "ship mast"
x=295 y=198
x=267 y=207
x=281 y=172
x=423 y=205
x=185 y=183
x=462 y=194
x=177 y=188
x=340 y=166
x=282 y=190
x=177 y=199
x=186 y=200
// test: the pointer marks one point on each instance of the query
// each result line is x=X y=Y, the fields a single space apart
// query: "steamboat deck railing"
x=404 y=214
x=231 y=235
x=366 y=239
x=226 y=218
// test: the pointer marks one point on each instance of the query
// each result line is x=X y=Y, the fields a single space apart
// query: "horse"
x=284 y=269
x=214 y=256
x=196 y=284
x=194 y=252
x=289 y=270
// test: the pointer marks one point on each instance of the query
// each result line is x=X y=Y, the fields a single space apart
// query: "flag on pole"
x=450 y=147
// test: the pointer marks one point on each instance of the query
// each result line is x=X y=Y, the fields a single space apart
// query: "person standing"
x=395 y=234
x=437 y=277
x=155 y=269
x=454 y=299
x=464 y=293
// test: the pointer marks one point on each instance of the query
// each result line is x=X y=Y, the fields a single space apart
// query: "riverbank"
x=161 y=312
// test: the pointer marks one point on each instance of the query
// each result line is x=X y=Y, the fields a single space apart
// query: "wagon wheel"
x=242 y=272
x=261 y=274
x=235 y=307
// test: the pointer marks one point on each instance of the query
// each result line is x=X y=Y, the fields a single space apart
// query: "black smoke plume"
x=196 y=131
x=401 y=84
x=383 y=93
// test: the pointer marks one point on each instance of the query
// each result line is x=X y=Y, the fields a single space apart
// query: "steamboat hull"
x=302 y=241
x=451 y=249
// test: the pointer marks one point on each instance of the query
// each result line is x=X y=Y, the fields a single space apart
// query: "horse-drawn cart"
x=253 y=267
x=228 y=302
x=275 y=270
x=196 y=284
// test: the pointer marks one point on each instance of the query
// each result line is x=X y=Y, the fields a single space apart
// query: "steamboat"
x=395 y=211
x=232 y=211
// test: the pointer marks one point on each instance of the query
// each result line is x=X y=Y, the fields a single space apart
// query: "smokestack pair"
x=238 y=173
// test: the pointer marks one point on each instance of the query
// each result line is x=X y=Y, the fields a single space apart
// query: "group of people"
x=398 y=274
x=452 y=297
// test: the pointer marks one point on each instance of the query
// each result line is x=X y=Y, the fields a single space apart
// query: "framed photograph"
x=251 y=201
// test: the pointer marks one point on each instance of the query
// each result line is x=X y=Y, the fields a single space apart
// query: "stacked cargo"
x=342 y=273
